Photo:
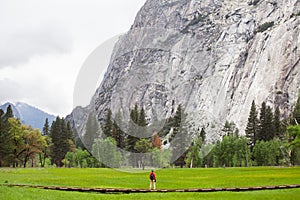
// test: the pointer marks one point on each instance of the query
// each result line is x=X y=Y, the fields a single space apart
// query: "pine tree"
x=9 y=113
x=262 y=122
x=132 y=135
x=177 y=120
x=142 y=118
x=56 y=151
x=64 y=134
x=46 y=129
x=133 y=126
x=5 y=135
x=1 y=113
x=229 y=128
x=107 y=127
x=92 y=131
x=252 y=128
x=118 y=133
x=69 y=131
x=2 y=121
x=142 y=123
x=269 y=125
x=2 y=137
x=61 y=136
x=179 y=137
x=277 y=124
x=203 y=135
x=134 y=114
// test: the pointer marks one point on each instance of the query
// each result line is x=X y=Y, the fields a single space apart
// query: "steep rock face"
x=212 y=56
x=78 y=119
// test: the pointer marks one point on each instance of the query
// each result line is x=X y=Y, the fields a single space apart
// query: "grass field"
x=167 y=179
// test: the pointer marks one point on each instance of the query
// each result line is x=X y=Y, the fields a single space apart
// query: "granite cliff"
x=214 y=57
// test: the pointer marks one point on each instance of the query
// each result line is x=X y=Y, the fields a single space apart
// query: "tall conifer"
x=92 y=131
x=269 y=125
x=277 y=124
x=108 y=124
x=61 y=136
x=252 y=128
x=262 y=122
x=46 y=129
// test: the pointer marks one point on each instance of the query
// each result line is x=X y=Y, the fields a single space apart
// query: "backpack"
x=152 y=176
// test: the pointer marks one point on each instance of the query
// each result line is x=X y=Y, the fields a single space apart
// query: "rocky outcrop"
x=214 y=57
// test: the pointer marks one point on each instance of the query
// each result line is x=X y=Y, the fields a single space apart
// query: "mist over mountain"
x=29 y=115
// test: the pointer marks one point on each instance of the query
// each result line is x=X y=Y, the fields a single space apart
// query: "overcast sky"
x=43 y=45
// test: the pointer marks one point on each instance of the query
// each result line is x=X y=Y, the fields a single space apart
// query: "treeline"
x=56 y=146
x=22 y=146
x=269 y=141
x=107 y=146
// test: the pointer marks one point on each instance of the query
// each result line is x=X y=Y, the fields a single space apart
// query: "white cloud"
x=21 y=45
x=44 y=43
x=9 y=90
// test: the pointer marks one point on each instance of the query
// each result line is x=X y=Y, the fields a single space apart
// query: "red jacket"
x=153 y=175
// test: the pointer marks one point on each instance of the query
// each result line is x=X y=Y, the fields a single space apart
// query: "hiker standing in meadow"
x=152 y=180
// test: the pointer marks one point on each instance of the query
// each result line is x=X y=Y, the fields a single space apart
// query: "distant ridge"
x=29 y=115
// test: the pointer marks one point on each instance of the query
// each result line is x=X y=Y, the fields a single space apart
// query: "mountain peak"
x=28 y=114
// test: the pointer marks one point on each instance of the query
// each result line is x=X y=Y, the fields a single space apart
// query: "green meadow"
x=166 y=179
